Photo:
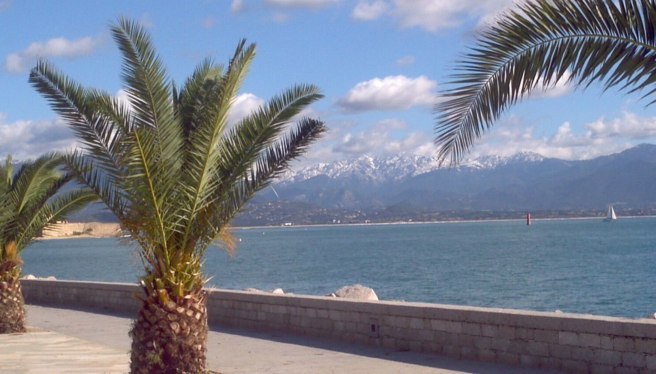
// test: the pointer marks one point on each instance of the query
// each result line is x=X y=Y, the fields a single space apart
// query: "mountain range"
x=402 y=187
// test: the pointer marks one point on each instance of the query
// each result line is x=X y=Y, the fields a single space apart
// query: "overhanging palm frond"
x=538 y=44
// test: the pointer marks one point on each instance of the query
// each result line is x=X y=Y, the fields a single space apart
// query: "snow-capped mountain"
x=523 y=181
x=399 y=167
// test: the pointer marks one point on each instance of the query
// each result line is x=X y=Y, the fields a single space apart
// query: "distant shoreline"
x=434 y=222
x=99 y=230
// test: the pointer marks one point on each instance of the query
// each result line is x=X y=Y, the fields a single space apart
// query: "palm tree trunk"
x=12 y=305
x=170 y=337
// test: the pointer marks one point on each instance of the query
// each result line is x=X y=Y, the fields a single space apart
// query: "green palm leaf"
x=537 y=44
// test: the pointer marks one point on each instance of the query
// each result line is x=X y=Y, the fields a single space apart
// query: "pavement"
x=73 y=341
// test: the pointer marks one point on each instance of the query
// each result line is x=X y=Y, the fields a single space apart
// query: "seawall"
x=569 y=342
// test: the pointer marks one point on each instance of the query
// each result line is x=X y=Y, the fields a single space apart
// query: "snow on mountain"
x=398 y=167
x=492 y=162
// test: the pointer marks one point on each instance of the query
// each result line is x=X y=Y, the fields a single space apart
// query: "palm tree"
x=175 y=172
x=539 y=43
x=30 y=202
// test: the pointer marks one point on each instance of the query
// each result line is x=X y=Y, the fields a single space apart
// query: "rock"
x=253 y=290
x=29 y=276
x=356 y=291
x=51 y=278
x=278 y=291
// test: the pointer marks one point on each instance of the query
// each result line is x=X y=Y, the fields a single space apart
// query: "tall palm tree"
x=175 y=172
x=30 y=201
x=539 y=43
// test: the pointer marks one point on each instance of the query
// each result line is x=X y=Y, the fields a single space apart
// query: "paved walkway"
x=82 y=342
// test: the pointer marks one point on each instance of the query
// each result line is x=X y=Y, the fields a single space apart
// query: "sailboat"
x=610 y=215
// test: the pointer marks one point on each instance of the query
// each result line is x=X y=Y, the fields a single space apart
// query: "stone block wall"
x=569 y=342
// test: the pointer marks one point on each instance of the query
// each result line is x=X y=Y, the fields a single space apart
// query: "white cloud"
x=208 y=22
x=280 y=17
x=146 y=21
x=312 y=4
x=29 y=139
x=57 y=47
x=598 y=138
x=243 y=105
x=389 y=93
x=560 y=88
x=435 y=15
x=237 y=6
x=247 y=103
x=381 y=142
x=369 y=10
x=406 y=61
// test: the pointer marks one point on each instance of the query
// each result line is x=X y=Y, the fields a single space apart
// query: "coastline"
x=99 y=230
x=434 y=222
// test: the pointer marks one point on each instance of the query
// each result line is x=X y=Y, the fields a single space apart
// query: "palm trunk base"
x=12 y=307
x=170 y=338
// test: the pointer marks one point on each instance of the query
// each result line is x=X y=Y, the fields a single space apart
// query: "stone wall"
x=570 y=342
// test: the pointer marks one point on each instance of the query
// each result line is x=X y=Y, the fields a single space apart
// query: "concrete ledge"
x=568 y=342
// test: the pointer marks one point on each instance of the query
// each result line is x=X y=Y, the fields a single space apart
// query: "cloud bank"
x=597 y=138
x=430 y=15
x=307 y=4
x=29 y=139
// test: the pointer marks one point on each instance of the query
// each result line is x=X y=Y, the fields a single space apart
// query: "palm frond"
x=57 y=208
x=271 y=162
x=243 y=143
x=79 y=108
x=204 y=151
x=33 y=181
x=148 y=90
x=537 y=44
x=154 y=160
x=88 y=172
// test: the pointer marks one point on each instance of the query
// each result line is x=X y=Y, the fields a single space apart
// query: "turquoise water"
x=583 y=266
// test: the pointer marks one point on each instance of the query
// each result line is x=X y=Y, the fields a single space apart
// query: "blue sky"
x=380 y=63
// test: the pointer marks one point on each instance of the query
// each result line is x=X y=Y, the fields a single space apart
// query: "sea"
x=571 y=265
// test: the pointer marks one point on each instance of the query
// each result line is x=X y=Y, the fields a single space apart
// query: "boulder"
x=278 y=291
x=356 y=291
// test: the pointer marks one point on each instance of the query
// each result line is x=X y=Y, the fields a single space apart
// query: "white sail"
x=610 y=215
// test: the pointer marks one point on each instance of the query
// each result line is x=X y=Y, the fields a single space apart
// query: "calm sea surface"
x=584 y=266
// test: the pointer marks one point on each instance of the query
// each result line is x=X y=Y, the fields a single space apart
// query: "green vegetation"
x=29 y=203
x=175 y=172
x=537 y=44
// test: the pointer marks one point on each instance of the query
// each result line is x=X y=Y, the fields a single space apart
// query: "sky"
x=381 y=65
